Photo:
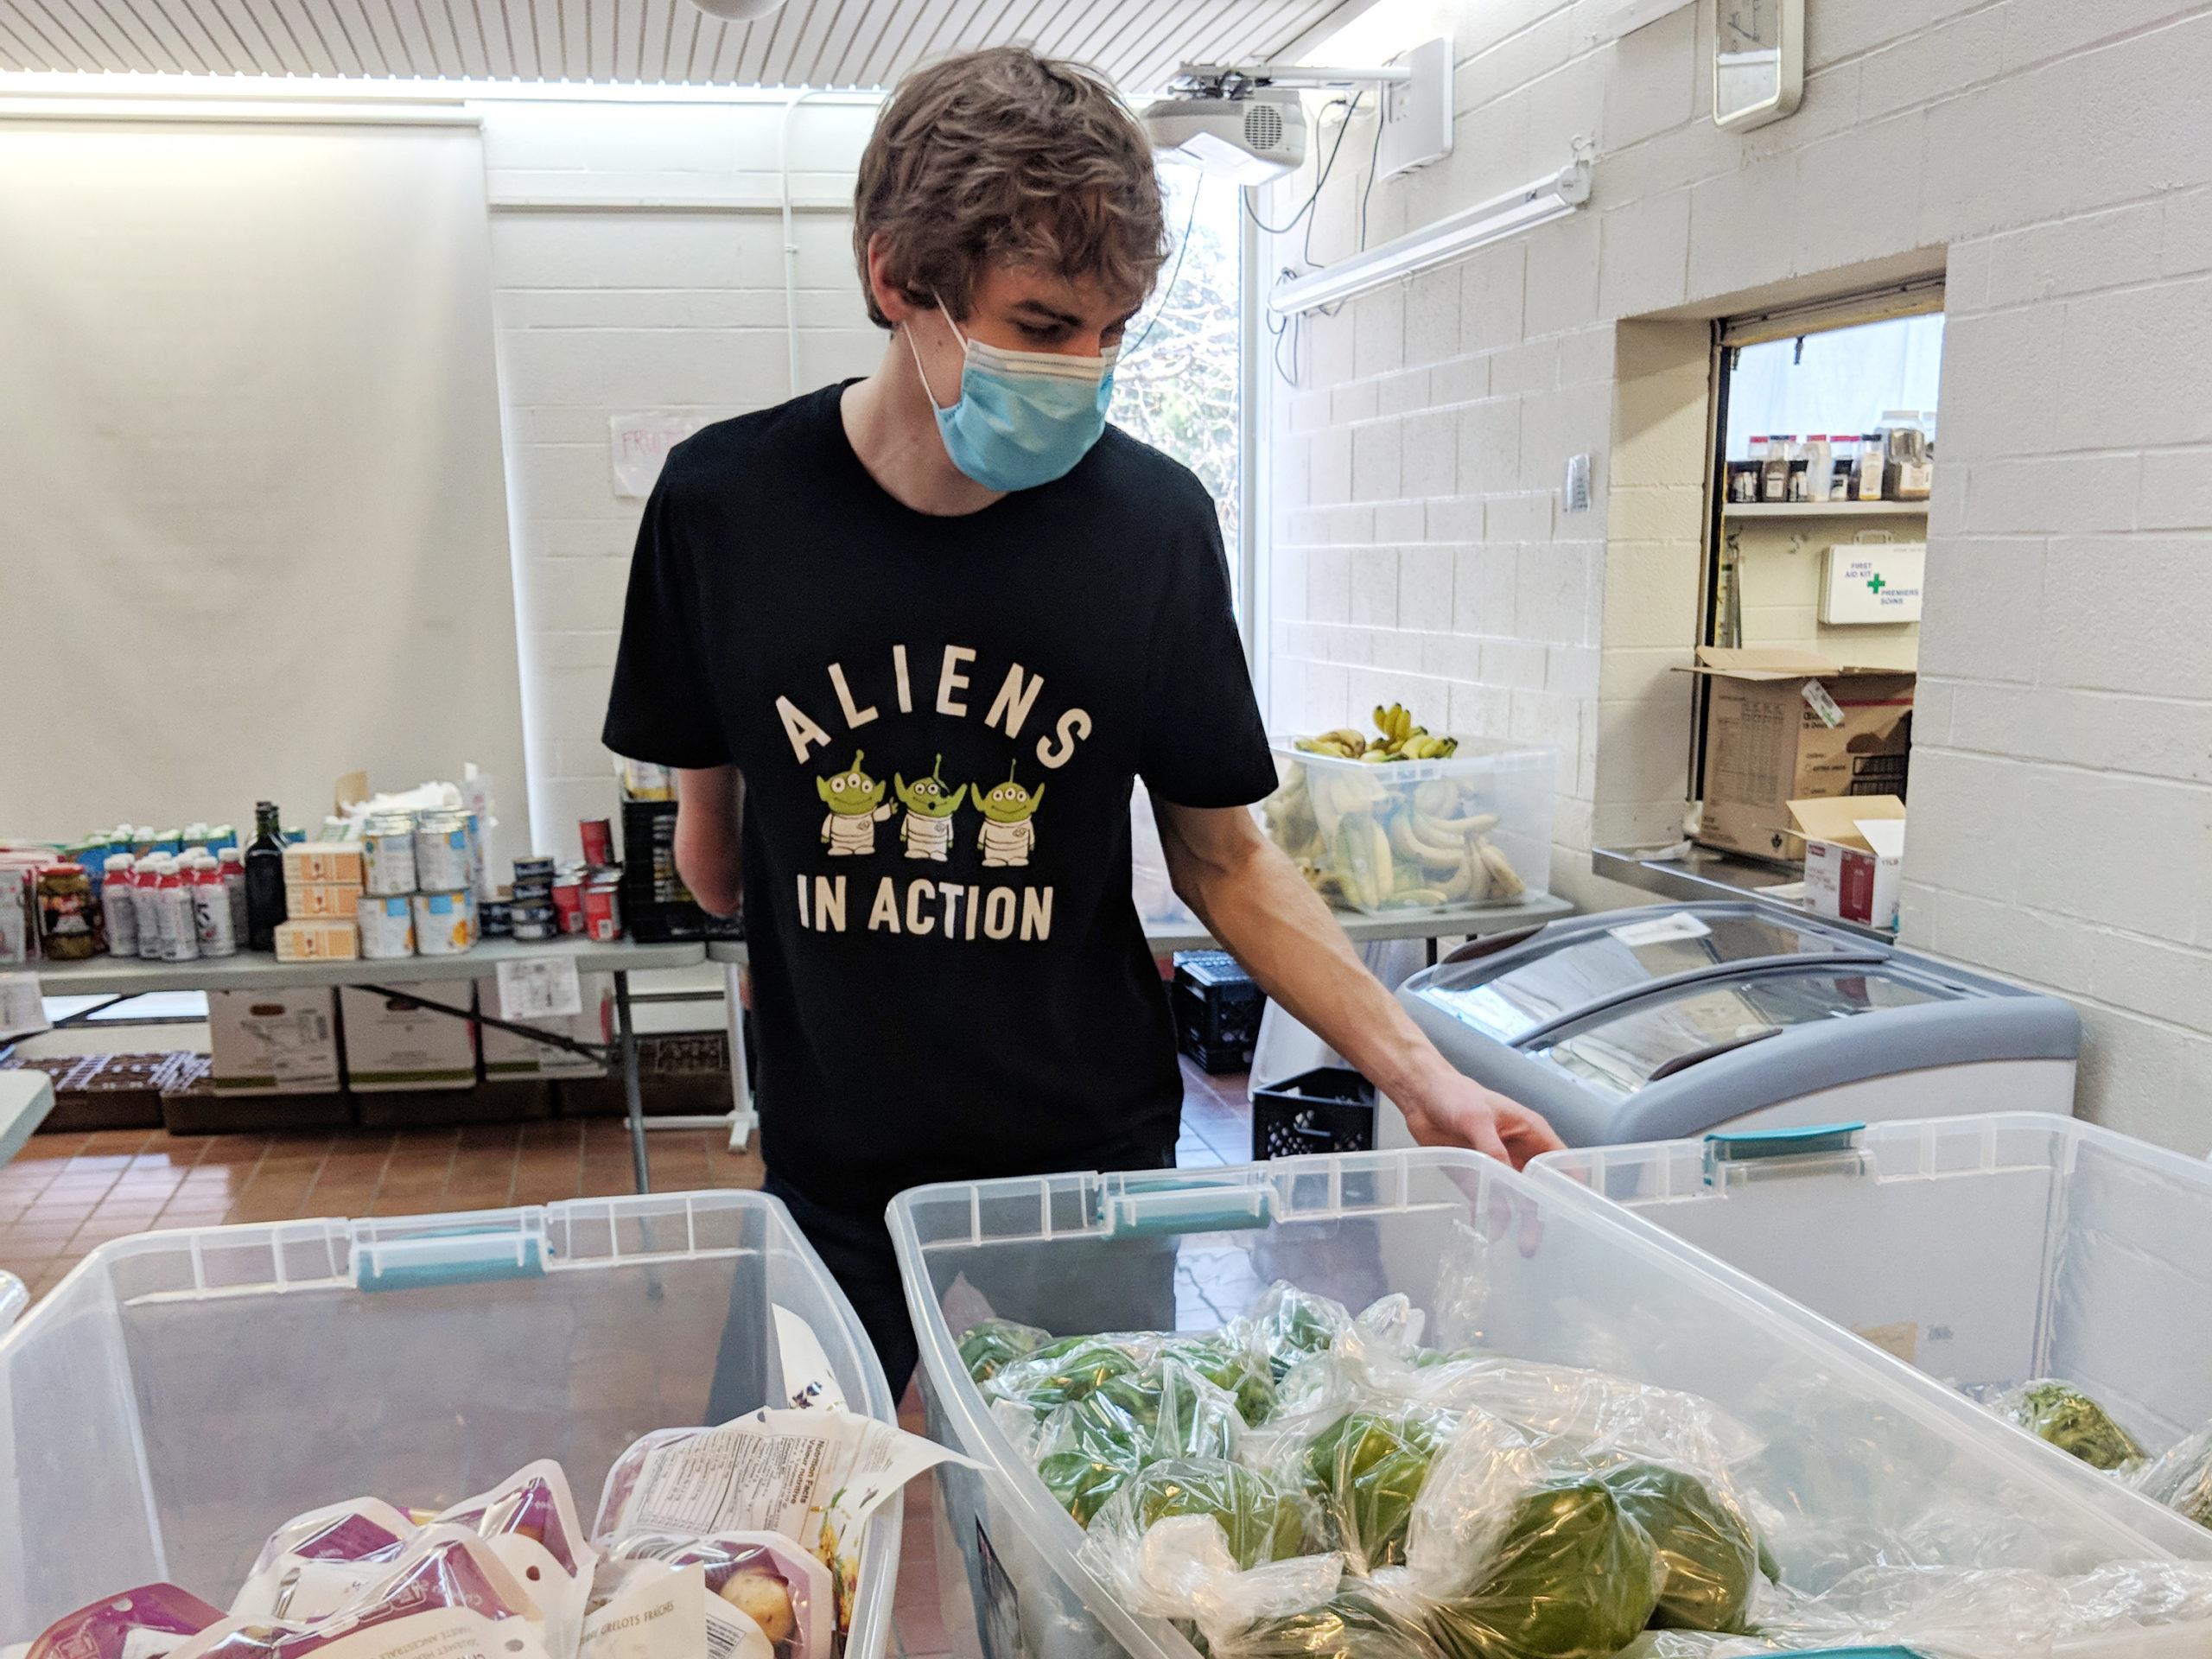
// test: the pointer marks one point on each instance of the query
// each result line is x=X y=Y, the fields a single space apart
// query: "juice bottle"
x=119 y=904
x=180 y=929
x=211 y=909
x=232 y=864
x=146 y=900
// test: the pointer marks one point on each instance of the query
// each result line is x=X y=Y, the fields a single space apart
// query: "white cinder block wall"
x=636 y=251
x=2056 y=158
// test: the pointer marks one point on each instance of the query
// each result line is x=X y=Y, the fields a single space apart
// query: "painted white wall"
x=2053 y=157
x=637 y=256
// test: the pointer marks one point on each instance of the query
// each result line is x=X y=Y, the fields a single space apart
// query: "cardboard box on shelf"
x=1855 y=856
x=323 y=940
x=323 y=861
x=309 y=901
x=273 y=1042
x=507 y=1055
x=1784 y=726
x=393 y=1042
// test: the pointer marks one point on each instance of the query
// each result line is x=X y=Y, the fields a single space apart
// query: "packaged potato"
x=139 y=1624
x=652 y=1610
x=530 y=1519
x=314 y=1560
x=448 y=1593
x=768 y=1578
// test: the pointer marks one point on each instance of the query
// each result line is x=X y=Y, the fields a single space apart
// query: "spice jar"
x=68 y=916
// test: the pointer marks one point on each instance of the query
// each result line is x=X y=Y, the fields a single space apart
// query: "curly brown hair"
x=1001 y=155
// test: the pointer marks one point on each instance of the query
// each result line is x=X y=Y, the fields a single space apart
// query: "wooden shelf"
x=1824 y=509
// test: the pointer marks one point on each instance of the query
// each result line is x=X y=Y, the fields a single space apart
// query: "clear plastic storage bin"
x=1983 y=1250
x=181 y=1393
x=1854 y=1441
x=1412 y=835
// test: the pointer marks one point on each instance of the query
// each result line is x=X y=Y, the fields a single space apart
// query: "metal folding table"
x=119 y=979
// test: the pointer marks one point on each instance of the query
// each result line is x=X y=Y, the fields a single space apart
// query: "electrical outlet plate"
x=1417 y=113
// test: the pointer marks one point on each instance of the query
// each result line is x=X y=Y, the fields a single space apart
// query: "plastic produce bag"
x=529 y=1520
x=1365 y=1469
x=1075 y=1367
x=989 y=1345
x=137 y=1623
x=1196 y=1417
x=1709 y=1550
x=2181 y=1477
x=1362 y=1620
x=1181 y=1568
x=2070 y=1419
x=768 y=1578
x=1289 y=1324
x=1086 y=1452
x=448 y=1593
x=1258 y=1522
x=314 y=1560
x=655 y=1610
x=1226 y=1360
x=1572 y=1577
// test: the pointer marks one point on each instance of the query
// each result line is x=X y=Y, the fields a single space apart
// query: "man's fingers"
x=1482 y=1130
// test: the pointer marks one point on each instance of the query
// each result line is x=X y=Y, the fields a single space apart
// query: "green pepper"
x=990 y=1345
x=1355 y=1623
x=1710 y=1552
x=1262 y=1523
x=1367 y=1469
x=1573 y=1578
x=1228 y=1365
x=1088 y=1451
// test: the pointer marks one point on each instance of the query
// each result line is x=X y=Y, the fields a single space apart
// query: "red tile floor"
x=65 y=1194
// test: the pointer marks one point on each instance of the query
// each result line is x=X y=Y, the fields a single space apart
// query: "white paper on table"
x=809 y=1381
x=22 y=1007
x=539 y=988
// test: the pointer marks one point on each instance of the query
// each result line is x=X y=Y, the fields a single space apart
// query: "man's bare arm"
x=1253 y=899
x=709 y=810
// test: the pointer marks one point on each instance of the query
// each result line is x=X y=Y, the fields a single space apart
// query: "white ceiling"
x=1138 y=43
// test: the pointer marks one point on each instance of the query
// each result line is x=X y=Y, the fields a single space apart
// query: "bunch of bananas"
x=1400 y=739
x=1370 y=845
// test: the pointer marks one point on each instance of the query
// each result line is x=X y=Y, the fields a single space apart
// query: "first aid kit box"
x=181 y=1394
x=1985 y=1250
x=1523 y=1269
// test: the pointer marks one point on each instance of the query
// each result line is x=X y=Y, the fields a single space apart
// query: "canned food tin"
x=388 y=852
x=533 y=921
x=569 y=900
x=598 y=834
x=442 y=852
x=602 y=911
x=387 y=925
x=532 y=892
x=445 y=922
x=493 y=919
x=534 y=868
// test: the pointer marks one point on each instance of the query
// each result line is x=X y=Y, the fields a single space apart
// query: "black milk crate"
x=1218 y=1009
x=1329 y=1109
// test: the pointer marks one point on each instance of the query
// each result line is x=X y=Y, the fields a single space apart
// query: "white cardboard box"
x=272 y=1042
x=506 y=1055
x=1854 y=856
x=394 y=1043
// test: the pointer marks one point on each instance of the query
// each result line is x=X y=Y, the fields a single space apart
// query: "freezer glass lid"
x=1614 y=1053
x=1511 y=995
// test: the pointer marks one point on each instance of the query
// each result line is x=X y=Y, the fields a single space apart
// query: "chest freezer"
x=1675 y=1020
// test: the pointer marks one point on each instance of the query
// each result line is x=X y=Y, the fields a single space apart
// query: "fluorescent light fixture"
x=1551 y=197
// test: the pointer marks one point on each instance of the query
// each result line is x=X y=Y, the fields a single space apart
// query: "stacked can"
x=386 y=909
x=598 y=911
x=530 y=914
x=445 y=896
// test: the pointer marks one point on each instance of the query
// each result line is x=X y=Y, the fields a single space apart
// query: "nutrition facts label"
x=539 y=987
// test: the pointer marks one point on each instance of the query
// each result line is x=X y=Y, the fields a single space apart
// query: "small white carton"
x=1855 y=856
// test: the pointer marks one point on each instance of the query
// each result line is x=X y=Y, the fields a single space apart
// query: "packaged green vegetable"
x=1193 y=1418
x=1709 y=1550
x=1087 y=1450
x=1229 y=1364
x=2070 y=1420
x=2181 y=1478
x=1289 y=1324
x=990 y=1345
x=1366 y=1469
x=1262 y=1521
x=1060 y=1373
x=1573 y=1577
x=1361 y=1621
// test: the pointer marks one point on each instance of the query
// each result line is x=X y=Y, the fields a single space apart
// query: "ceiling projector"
x=1248 y=138
x=737 y=12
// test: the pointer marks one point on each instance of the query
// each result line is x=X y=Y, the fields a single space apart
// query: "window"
x=1176 y=384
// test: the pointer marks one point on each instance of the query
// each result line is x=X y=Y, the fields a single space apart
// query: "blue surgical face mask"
x=1024 y=418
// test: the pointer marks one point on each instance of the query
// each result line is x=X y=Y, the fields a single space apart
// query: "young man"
x=907 y=641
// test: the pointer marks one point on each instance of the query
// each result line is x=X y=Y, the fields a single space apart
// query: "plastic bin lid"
x=1569 y=968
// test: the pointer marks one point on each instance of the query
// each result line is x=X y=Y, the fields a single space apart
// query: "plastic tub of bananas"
x=1402 y=818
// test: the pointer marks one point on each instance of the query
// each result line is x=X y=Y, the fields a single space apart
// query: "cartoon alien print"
x=856 y=806
x=1007 y=835
x=926 y=830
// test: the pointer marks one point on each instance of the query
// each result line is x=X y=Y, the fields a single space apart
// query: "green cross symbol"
x=1875 y=584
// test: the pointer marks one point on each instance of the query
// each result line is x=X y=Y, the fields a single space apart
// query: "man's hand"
x=1253 y=899
x=1448 y=1109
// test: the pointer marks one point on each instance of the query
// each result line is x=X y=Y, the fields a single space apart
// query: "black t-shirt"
x=938 y=720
